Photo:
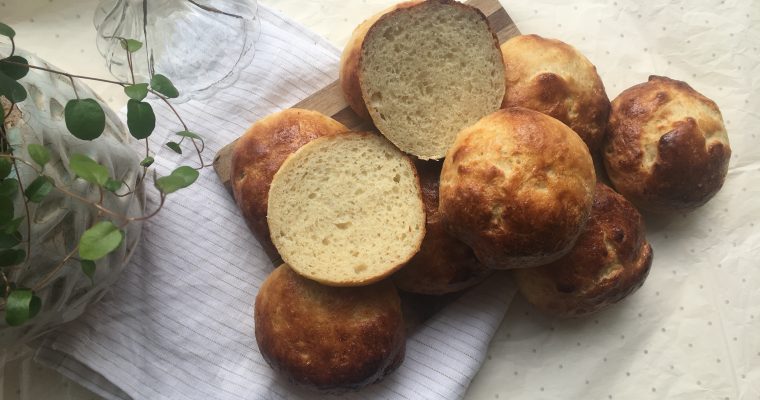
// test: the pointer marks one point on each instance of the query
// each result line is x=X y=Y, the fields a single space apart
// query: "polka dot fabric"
x=691 y=332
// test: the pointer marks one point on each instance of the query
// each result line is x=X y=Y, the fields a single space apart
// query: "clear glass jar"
x=201 y=45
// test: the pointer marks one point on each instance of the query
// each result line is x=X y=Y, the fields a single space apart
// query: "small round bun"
x=346 y=210
x=260 y=152
x=667 y=148
x=554 y=78
x=327 y=338
x=444 y=264
x=610 y=261
x=517 y=188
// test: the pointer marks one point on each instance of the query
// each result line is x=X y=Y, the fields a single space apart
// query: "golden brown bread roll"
x=667 y=148
x=554 y=78
x=444 y=264
x=260 y=152
x=610 y=261
x=517 y=188
x=328 y=338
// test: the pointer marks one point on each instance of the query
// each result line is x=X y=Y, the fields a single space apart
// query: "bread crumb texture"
x=427 y=71
x=346 y=210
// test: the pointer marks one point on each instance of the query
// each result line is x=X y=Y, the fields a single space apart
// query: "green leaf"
x=39 y=189
x=39 y=154
x=11 y=257
x=181 y=177
x=6 y=210
x=140 y=119
x=130 y=45
x=163 y=85
x=147 y=162
x=8 y=188
x=88 y=267
x=101 y=239
x=191 y=135
x=88 y=169
x=8 y=240
x=12 y=70
x=112 y=185
x=85 y=118
x=137 y=91
x=11 y=89
x=7 y=31
x=11 y=226
x=21 y=306
x=6 y=165
x=174 y=146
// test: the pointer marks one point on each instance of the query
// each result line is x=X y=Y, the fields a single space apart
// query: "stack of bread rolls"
x=355 y=216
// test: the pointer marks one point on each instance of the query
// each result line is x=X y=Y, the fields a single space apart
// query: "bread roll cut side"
x=346 y=210
x=425 y=71
x=260 y=152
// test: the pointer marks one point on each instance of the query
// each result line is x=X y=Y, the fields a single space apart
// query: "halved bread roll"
x=346 y=210
x=259 y=153
x=423 y=71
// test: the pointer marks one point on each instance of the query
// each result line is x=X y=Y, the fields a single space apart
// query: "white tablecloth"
x=690 y=332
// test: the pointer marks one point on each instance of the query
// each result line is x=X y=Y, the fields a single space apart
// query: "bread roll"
x=667 y=148
x=517 y=188
x=444 y=264
x=609 y=262
x=554 y=78
x=422 y=71
x=346 y=210
x=327 y=338
x=261 y=150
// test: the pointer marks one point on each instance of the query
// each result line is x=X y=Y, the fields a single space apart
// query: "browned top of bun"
x=552 y=77
x=517 y=188
x=610 y=261
x=260 y=152
x=667 y=148
x=444 y=264
x=325 y=337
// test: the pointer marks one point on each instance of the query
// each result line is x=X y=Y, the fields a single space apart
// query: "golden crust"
x=349 y=60
x=260 y=152
x=610 y=261
x=444 y=264
x=328 y=338
x=517 y=187
x=554 y=78
x=667 y=148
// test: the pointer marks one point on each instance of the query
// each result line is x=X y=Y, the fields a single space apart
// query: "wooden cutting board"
x=329 y=100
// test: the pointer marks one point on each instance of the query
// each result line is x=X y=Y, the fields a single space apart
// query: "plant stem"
x=74 y=86
x=213 y=10
x=64 y=73
x=26 y=209
x=46 y=279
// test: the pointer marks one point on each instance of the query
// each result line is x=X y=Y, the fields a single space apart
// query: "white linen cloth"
x=178 y=324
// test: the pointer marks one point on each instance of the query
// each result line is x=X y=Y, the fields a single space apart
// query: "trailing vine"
x=85 y=120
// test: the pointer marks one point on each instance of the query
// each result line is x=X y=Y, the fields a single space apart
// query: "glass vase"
x=201 y=45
